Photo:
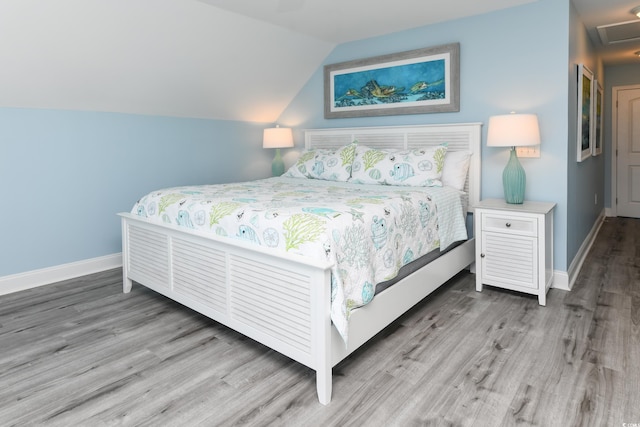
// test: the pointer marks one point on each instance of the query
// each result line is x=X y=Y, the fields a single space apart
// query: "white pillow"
x=330 y=165
x=456 y=166
x=420 y=167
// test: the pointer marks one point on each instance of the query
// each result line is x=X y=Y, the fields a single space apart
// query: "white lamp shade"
x=277 y=138
x=513 y=130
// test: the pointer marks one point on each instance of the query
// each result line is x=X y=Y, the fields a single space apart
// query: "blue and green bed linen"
x=367 y=231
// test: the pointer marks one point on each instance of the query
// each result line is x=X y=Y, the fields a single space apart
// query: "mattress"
x=368 y=232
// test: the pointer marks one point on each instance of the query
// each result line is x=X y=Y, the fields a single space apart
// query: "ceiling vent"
x=619 y=33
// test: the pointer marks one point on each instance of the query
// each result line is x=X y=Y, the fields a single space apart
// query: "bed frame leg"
x=126 y=285
x=321 y=299
x=126 y=282
x=323 y=384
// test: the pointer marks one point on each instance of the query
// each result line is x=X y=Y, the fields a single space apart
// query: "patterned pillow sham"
x=326 y=164
x=420 y=167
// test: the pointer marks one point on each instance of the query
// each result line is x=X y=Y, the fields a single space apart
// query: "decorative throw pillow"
x=456 y=166
x=420 y=167
x=330 y=165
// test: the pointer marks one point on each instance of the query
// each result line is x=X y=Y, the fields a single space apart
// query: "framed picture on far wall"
x=597 y=128
x=414 y=82
x=585 y=112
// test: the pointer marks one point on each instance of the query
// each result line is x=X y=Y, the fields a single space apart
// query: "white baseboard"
x=565 y=280
x=46 y=276
x=560 y=280
x=32 y=279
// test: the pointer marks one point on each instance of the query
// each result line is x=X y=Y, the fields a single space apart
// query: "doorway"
x=626 y=151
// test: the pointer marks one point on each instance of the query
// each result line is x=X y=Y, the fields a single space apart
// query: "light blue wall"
x=621 y=75
x=103 y=161
x=65 y=174
x=514 y=59
x=585 y=179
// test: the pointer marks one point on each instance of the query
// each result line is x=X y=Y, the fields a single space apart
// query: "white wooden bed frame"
x=260 y=293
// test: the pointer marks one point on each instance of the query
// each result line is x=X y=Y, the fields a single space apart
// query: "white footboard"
x=280 y=301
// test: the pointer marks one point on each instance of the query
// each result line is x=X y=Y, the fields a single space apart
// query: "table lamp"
x=513 y=130
x=277 y=138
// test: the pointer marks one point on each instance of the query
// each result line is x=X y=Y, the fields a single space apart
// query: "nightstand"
x=514 y=246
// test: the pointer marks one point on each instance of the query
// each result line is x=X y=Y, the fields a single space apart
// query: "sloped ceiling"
x=158 y=57
x=217 y=59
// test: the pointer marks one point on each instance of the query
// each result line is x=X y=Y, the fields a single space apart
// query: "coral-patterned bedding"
x=368 y=232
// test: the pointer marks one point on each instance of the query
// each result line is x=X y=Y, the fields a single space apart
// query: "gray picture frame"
x=418 y=81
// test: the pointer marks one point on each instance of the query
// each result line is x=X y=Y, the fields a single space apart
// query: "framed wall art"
x=597 y=128
x=585 y=112
x=413 y=82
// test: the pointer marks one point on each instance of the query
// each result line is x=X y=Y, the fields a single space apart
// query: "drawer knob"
x=508 y=224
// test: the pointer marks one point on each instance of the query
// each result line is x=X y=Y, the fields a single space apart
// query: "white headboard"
x=458 y=136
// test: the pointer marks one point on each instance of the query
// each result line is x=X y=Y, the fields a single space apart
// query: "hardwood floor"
x=82 y=353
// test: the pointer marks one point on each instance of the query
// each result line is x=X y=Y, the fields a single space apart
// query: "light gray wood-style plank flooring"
x=83 y=353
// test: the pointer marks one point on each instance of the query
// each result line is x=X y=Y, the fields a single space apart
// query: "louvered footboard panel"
x=274 y=301
x=267 y=296
x=148 y=253
x=199 y=272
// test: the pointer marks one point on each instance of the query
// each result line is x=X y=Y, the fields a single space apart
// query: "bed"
x=284 y=300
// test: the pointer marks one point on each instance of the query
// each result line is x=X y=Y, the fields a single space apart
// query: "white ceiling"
x=339 y=21
x=606 y=12
x=220 y=59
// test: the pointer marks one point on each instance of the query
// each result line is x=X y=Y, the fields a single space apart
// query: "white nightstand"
x=514 y=246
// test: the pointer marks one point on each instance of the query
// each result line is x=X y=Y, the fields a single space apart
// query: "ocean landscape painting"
x=413 y=82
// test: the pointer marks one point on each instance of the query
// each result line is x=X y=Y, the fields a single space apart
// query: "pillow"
x=456 y=166
x=330 y=165
x=420 y=167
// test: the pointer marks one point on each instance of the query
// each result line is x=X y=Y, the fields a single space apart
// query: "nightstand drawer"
x=509 y=224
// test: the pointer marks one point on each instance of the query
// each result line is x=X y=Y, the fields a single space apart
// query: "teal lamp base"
x=514 y=180
x=277 y=166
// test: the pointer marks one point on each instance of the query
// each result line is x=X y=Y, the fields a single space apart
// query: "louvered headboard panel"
x=458 y=136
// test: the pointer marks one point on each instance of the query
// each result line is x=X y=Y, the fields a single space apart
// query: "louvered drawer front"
x=510 y=224
x=508 y=259
x=271 y=300
x=199 y=273
x=148 y=253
